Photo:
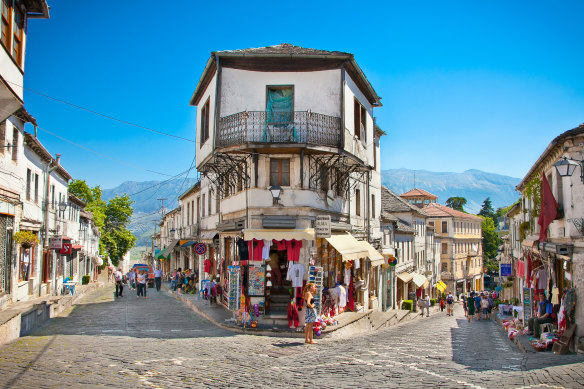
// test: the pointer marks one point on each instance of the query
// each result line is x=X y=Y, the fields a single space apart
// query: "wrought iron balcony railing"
x=301 y=127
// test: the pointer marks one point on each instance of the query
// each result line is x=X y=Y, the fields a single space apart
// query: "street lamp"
x=566 y=167
x=275 y=190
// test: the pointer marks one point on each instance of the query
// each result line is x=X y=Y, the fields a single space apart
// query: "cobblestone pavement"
x=158 y=342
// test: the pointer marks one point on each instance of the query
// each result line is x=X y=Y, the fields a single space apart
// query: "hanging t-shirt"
x=207 y=266
x=243 y=251
x=342 y=296
x=255 y=248
x=542 y=279
x=347 y=278
x=296 y=274
x=293 y=246
x=266 y=249
x=280 y=244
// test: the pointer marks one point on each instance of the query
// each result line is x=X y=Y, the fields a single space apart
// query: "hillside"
x=474 y=185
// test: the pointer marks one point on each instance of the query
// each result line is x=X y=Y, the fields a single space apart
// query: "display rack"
x=234 y=288
x=315 y=275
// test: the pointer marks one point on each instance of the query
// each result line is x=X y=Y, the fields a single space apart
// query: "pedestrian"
x=442 y=304
x=491 y=304
x=180 y=279
x=421 y=304
x=141 y=277
x=450 y=304
x=173 y=280
x=310 y=316
x=485 y=307
x=119 y=278
x=428 y=305
x=158 y=278
x=133 y=279
x=109 y=274
x=470 y=304
x=478 y=306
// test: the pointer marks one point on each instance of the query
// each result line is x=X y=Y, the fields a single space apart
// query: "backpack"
x=449 y=300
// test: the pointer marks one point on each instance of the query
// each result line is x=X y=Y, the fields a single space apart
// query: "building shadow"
x=484 y=346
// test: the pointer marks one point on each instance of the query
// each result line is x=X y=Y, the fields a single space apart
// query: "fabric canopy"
x=279 y=234
x=166 y=253
x=405 y=277
x=187 y=243
x=375 y=258
x=441 y=286
x=420 y=280
x=208 y=236
x=348 y=246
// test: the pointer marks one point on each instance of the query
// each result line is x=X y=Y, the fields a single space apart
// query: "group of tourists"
x=478 y=305
x=136 y=279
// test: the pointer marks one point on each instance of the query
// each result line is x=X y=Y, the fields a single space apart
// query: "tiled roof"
x=284 y=49
x=391 y=202
x=418 y=193
x=404 y=226
x=386 y=216
x=439 y=210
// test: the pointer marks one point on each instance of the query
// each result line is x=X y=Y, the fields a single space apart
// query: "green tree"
x=80 y=189
x=491 y=240
x=117 y=238
x=487 y=209
x=457 y=203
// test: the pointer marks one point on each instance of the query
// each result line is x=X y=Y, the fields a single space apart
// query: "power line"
x=101 y=154
x=160 y=183
x=187 y=176
x=103 y=115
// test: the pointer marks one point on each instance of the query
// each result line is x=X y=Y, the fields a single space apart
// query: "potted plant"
x=26 y=239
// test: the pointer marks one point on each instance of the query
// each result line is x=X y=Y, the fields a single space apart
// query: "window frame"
x=444 y=228
x=280 y=171
x=15 y=133
x=28 y=183
x=6 y=23
x=205 y=121
x=18 y=36
x=358 y=202
x=21 y=263
x=282 y=86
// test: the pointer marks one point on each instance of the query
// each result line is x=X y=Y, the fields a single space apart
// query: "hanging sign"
x=200 y=248
x=67 y=249
x=255 y=281
x=527 y=301
x=322 y=226
x=56 y=242
x=505 y=270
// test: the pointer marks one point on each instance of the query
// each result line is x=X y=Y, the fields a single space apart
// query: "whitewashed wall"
x=203 y=150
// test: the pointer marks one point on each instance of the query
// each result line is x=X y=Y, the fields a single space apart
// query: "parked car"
x=143 y=266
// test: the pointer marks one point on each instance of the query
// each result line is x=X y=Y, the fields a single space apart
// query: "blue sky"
x=465 y=85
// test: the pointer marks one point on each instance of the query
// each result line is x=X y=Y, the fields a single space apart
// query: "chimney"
x=58 y=159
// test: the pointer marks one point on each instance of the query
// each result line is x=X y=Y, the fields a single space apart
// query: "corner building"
x=286 y=134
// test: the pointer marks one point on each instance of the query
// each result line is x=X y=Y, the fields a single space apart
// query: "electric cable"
x=101 y=114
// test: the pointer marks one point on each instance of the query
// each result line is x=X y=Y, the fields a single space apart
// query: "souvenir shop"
x=551 y=273
x=263 y=272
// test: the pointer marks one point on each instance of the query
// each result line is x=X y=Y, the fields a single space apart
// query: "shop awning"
x=405 y=277
x=208 y=236
x=375 y=258
x=171 y=246
x=279 y=234
x=347 y=246
x=530 y=242
x=76 y=247
x=420 y=280
x=186 y=243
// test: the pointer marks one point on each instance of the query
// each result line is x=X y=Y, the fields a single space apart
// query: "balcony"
x=300 y=127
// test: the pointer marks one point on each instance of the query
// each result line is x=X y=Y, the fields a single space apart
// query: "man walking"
x=427 y=305
x=141 y=283
x=158 y=278
x=118 y=278
x=450 y=304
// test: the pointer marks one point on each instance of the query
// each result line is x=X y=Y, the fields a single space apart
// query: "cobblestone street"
x=158 y=342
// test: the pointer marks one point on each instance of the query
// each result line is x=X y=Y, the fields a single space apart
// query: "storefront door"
x=387 y=293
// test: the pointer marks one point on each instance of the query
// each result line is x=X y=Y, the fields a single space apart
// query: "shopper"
x=119 y=278
x=310 y=316
x=180 y=279
x=450 y=304
x=470 y=304
x=464 y=305
x=428 y=303
x=485 y=307
x=141 y=277
x=173 y=280
x=442 y=304
x=478 y=306
x=158 y=278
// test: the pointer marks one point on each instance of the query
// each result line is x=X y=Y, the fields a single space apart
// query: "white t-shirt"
x=158 y=273
x=296 y=275
x=118 y=275
x=142 y=278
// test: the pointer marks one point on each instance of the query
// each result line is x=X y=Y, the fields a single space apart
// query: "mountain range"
x=474 y=185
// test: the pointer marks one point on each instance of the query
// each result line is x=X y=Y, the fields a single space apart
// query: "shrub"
x=26 y=238
x=85 y=280
x=408 y=304
x=432 y=302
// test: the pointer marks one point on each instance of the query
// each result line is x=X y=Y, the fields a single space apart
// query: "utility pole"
x=162 y=206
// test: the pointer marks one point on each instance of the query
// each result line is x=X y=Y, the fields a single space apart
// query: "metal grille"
x=6 y=224
x=304 y=127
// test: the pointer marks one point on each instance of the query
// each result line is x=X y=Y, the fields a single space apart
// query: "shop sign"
x=505 y=270
x=56 y=242
x=322 y=226
x=527 y=301
x=66 y=249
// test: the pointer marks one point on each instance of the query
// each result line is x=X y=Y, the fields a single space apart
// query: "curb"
x=200 y=312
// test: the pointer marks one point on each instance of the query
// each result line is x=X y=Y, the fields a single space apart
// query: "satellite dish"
x=330 y=197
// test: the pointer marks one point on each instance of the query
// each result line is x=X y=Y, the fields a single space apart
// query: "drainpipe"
x=51 y=167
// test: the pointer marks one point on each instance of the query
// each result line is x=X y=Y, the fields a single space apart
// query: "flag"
x=549 y=208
